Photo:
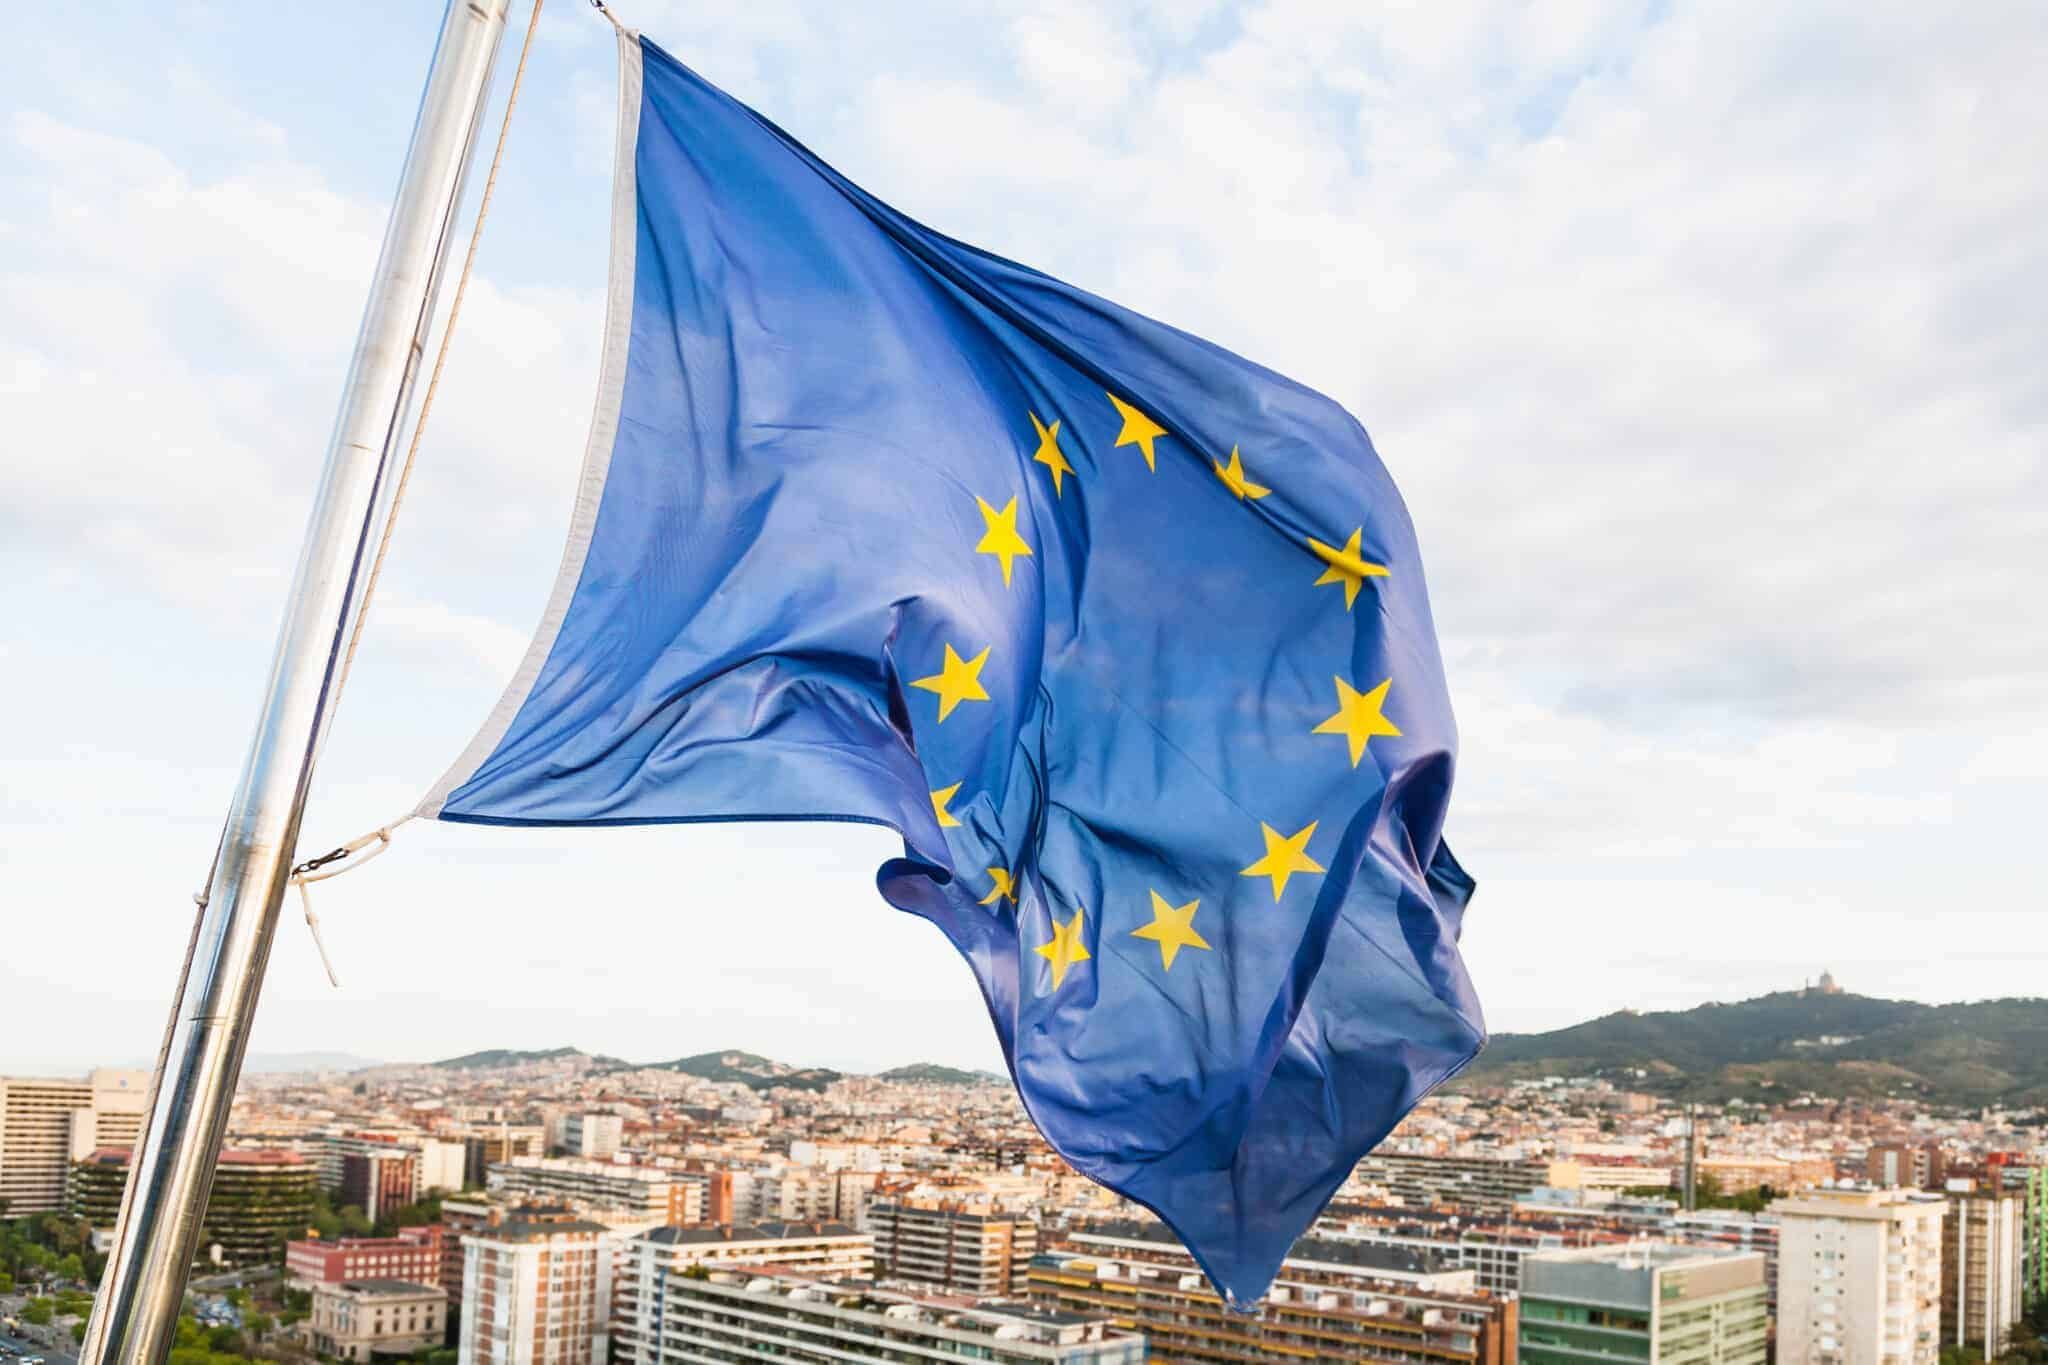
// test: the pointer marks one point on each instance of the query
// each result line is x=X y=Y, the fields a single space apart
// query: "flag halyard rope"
x=343 y=858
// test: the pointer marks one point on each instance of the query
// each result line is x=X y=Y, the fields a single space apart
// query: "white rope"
x=343 y=859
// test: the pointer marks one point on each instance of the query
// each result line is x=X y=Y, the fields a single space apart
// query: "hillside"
x=1776 y=1046
x=751 y=1070
x=497 y=1058
x=929 y=1073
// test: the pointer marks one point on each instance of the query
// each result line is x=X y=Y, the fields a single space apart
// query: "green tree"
x=39 y=1312
x=6 y=1283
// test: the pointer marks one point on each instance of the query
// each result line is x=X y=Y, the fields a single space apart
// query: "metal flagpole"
x=135 y=1319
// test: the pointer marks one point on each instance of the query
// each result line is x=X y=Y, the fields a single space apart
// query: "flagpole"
x=134 y=1321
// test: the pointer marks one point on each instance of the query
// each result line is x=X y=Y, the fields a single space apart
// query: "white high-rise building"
x=1980 y=1271
x=46 y=1124
x=1859 y=1277
x=536 y=1292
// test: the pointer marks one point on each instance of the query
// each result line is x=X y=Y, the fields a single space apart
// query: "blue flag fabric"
x=1125 y=635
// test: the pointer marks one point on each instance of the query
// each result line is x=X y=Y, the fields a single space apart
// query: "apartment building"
x=958 y=1247
x=1898 y=1165
x=1859 y=1277
x=47 y=1124
x=818 y=1250
x=595 y=1137
x=1477 y=1182
x=356 y=1320
x=1330 y=1302
x=259 y=1199
x=535 y=1292
x=1644 y=1301
x=378 y=1182
x=659 y=1193
x=486 y=1147
x=1733 y=1230
x=747 y=1314
x=1980 y=1271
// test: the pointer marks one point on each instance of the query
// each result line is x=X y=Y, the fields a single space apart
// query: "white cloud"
x=1702 y=339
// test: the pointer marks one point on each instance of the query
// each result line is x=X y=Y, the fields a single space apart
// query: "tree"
x=39 y=1312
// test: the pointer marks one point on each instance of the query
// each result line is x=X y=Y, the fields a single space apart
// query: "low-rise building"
x=356 y=1320
x=414 y=1255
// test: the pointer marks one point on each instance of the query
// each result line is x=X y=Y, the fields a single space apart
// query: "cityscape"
x=560 y=1208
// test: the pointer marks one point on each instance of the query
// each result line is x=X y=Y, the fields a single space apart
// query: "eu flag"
x=1125 y=635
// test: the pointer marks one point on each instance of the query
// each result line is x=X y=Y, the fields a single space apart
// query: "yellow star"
x=960 y=680
x=1284 y=856
x=1234 y=479
x=1359 y=717
x=1139 y=430
x=1065 y=949
x=940 y=800
x=1172 y=928
x=1001 y=538
x=1005 y=889
x=1049 y=453
x=1346 y=566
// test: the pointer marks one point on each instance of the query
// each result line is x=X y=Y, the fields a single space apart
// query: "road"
x=30 y=1348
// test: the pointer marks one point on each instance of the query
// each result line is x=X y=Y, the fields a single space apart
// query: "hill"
x=751 y=1070
x=929 y=1073
x=498 y=1058
x=1777 y=1046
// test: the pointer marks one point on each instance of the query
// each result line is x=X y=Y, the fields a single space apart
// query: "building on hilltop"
x=955 y=1246
x=47 y=1125
x=357 y=1320
x=259 y=1199
x=1644 y=1301
x=746 y=1314
x=1859 y=1277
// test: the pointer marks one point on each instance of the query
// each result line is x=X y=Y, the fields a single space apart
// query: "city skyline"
x=1722 y=444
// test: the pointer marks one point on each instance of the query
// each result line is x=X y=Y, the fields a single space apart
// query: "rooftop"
x=387 y=1289
x=697 y=1234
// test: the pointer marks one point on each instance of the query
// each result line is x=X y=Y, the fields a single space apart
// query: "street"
x=26 y=1347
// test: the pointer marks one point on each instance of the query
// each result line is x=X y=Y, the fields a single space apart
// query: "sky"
x=1705 y=341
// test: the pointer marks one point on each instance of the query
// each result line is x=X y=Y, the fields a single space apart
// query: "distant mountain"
x=498 y=1058
x=751 y=1070
x=1793 y=1042
x=928 y=1073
